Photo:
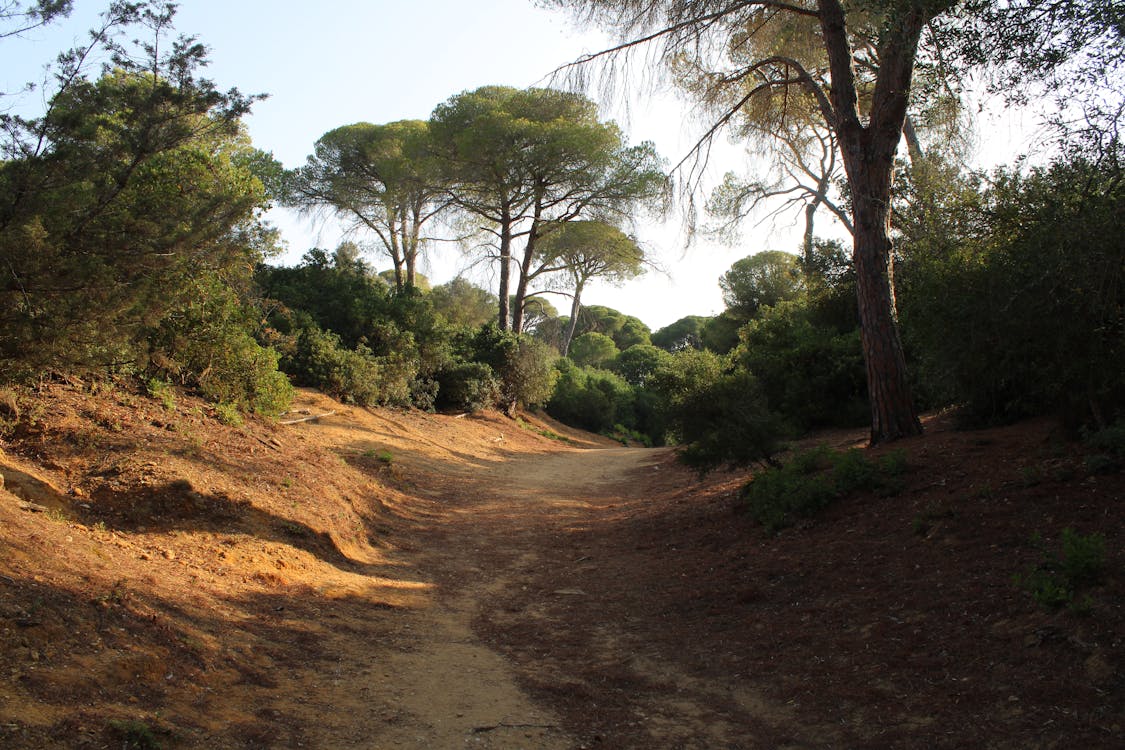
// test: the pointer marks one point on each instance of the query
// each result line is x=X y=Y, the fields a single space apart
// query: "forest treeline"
x=134 y=245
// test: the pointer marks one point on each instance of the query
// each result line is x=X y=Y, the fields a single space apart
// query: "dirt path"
x=513 y=652
x=453 y=686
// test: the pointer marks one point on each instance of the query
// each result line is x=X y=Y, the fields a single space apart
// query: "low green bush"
x=355 y=375
x=813 y=479
x=467 y=386
x=592 y=399
x=726 y=422
x=1062 y=580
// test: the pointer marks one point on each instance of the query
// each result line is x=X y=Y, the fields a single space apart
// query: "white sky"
x=336 y=62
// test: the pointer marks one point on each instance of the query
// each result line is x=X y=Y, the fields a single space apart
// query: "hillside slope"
x=154 y=562
x=382 y=578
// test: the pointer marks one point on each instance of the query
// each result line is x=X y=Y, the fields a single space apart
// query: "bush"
x=812 y=480
x=1058 y=580
x=529 y=374
x=637 y=363
x=318 y=361
x=1108 y=445
x=206 y=345
x=726 y=422
x=1013 y=305
x=595 y=400
x=810 y=372
x=467 y=386
x=524 y=365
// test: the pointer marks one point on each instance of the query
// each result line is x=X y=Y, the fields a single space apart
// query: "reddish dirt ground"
x=382 y=579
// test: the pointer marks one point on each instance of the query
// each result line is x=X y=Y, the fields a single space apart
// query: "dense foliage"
x=1015 y=305
x=129 y=224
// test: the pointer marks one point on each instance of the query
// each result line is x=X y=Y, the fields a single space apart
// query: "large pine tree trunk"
x=892 y=408
x=868 y=152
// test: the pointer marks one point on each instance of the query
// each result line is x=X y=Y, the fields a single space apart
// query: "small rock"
x=169 y=554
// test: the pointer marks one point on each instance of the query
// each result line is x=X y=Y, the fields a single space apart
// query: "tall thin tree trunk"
x=410 y=249
x=505 y=268
x=396 y=254
x=525 y=266
x=572 y=326
x=810 y=236
x=523 y=283
x=518 y=303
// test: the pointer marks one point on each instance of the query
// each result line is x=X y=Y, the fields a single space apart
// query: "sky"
x=337 y=62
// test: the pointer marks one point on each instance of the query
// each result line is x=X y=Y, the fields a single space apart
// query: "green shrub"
x=624 y=435
x=135 y=735
x=813 y=479
x=424 y=393
x=467 y=386
x=1058 y=580
x=1012 y=301
x=810 y=372
x=1109 y=446
x=525 y=366
x=162 y=391
x=228 y=414
x=1108 y=440
x=637 y=363
x=206 y=345
x=726 y=422
x=592 y=399
x=529 y=374
x=358 y=376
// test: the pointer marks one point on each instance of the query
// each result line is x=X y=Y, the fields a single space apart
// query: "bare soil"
x=390 y=579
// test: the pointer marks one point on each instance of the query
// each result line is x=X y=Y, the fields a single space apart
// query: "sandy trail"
x=513 y=653
x=451 y=687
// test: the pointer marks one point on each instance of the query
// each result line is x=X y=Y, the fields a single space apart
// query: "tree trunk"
x=913 y=143
x=523 y=283
x=525 y=264
x=868 y=153
x=400 y=279
x=809 y=239
x=892 y=408
x=505 y=268
x=412 y=245
x=572 y=326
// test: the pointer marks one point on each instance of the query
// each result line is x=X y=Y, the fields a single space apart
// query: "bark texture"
x=868 y=153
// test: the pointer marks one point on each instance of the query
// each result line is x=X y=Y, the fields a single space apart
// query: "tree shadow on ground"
x=99 y=657
x=178 y=506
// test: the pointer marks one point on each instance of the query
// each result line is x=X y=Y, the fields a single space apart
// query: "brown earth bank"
x=383 y=579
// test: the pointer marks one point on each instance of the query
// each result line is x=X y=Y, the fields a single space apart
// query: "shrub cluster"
x=812 y=480
x=1013 y=306
x=1063 y=580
